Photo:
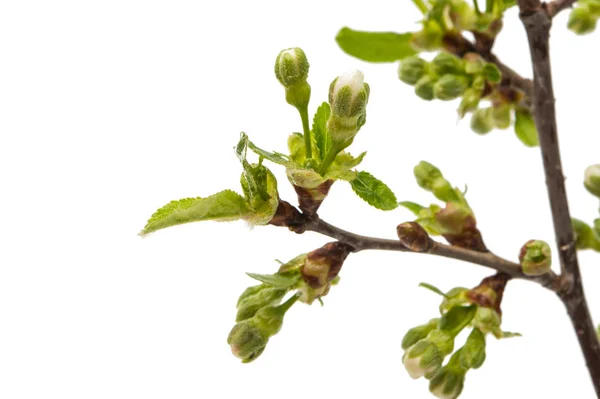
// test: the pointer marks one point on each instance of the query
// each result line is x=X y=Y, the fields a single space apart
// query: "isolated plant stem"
x=537 y=21
x=306 y=131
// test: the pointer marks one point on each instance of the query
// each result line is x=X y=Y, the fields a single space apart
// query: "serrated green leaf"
x=341 y=168
x=276 y=280
x=226 y=205
x=375 y=46
x=322 y=139
x=525 y=128
x=412 y=206
x=433 y=288
x=374 y=191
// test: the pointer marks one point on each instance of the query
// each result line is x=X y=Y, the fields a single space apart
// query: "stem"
x=421 y=6
x=329 y=158
x=556 y=6
x=476 y=6
x=306 y=129
x=489 y=6
x=537 y=24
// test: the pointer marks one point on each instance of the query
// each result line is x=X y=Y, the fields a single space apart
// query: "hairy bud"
x=482 y=121
x=592 y=179
x=412 y=69
x=291 y=70
x=424 y=88
x=418 y=333
x=446 y=63
x=449 y=87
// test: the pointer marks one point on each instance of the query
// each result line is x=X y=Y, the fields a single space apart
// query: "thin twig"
x=556 y=6
x=487 y=259
x=537 y=22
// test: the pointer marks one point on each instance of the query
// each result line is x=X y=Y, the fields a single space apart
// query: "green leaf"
x=375 y=46
x=457 y=318
x=223 y=206
x=276 y=280
x=292 y=265
x=508 y=334
x=412 y=206
x=296 y=148
x=322 y=139
x=525 y=128
x=341 y=168
x=374 y=191
x=274 y=157
x=433 y=289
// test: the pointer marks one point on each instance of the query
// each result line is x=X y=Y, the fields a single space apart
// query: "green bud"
x=478 y=83
x=492 y=73
x=469 y=102
x=418 y=333
x=426 y=174
x=457 y=296
x=591 y=179
x=462 y=15
x=581 y=20
x=291 y=70
x=250 y=291
x=449 y=87
x=488 y=321
x=474 y=63
x=585 y=238
x=247 y=341
x=448 y=383
x=412 y=69
x=422 y=359
x=429 y=38
x=424 y=88
x=442 y=339
x=456 y=319
x=250 y=305
x=322 y=265
x=270 y=319
x=535 y=258
x=482 y=121
x=348 y=95
x=291 y=67
x=472 y=354
x=445 y=63
x=501 y=116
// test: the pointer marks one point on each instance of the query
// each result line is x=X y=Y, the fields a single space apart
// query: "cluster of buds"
x=535 y=258
x=456 y=222
x=584 y=16
x=249 y=337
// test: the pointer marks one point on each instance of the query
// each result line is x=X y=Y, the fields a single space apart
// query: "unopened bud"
x=491 y=73
x=413 y=236
x=310 y=187
x=535 y=258
x=445 y=63
x=482 y=121
x=418 y=333
x=422 y=359
x=585 y=238
x=501 y=116
x=469 y=102
x=474 y=63
x=462 y=15
x=270 y=319
x=449 y=87
x=448 y=383
x=247 y=341
x=412 y=69
x=424 y=88
x=472 y=354
x=488 y=321
x=323 y=265
x=429 y=38
x=348 y=95
x=591 y=179
x=291 y=70
x=581 y=20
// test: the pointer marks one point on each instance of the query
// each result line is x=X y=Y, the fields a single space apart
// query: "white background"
x=109 y=109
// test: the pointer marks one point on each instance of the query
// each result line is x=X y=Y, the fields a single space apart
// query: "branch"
x=556 y=6
x=487 y=259
x=537 y=24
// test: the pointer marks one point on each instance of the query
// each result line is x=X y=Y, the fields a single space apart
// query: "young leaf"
x=276 y=280
x=341 y=168
x=412 y=206
x=457 y=318
x=322 y=139
x=433 y=289
x=525 y=128
x=274 y=157
x=508 y=334
x=374 y=191
x=223 y=206
x=375 y=46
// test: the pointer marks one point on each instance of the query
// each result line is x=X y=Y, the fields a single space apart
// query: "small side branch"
x=556 y=6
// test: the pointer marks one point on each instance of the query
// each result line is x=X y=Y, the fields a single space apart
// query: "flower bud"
x=462 y=15
x=251 y=291
x=422 y=359
x=449 y=87
x=418 y=333
x=424 y=88
x=491 y=73
x=445 y=63
x=270 y=319
x=251 y=304
x=413 y=236
x=472 y=354
x=448 y=383
x=581 y=20
x=501 y=116
x=482 y=121
x=310 y=187
x=592 y=179
x=535 y=258
x=488 y=321
x=585 y=238
x=291 y=67
x=469 y=102
x=412 y=69
x=348 y=95
x=474 y=63
x=247 y=341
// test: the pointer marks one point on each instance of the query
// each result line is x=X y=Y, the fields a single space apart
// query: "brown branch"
x=556 y=6
x=537 y=24
x=487 y=259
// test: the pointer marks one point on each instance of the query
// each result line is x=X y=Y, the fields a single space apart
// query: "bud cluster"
x=584 y=16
